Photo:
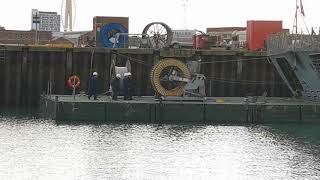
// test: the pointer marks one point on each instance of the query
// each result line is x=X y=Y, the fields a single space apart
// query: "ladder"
x=2 y=54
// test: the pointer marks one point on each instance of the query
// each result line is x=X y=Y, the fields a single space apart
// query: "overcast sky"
x=200 y=14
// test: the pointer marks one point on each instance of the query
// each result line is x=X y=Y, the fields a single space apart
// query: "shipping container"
x=259 y=31
x=202 y=41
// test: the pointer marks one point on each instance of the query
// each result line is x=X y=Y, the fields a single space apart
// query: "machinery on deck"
x=172 y=77
x=158 y=34
x=155 y=35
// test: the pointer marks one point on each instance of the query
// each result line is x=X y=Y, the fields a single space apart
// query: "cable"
x=213 y=62
x=249 y=83
x=234 y=81
x=236 y=60
x=135 y=60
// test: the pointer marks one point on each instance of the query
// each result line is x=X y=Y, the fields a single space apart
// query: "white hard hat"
x=118 y=76
x=125 y=74
x=95 y=74
x=129 y=74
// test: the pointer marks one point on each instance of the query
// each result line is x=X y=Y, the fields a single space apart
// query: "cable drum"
x=108 y=36
x=159 y=77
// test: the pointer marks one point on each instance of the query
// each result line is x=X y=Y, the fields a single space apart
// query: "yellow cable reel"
x=158 y=73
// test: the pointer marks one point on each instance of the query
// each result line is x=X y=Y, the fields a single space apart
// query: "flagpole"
x=296 y=17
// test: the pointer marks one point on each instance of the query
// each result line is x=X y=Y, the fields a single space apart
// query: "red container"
x=202 y=41
x=194 y=41
x=259 y=31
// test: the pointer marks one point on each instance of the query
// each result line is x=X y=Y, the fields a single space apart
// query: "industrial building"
x=45 y=21
x=183 y=37
x=226 y=35
x=78 y=38
x=15 y=37
x=253 y=37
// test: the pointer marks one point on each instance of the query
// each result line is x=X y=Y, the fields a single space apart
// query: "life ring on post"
x=74 y=82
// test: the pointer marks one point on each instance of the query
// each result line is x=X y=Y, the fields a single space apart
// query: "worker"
x=125 y=87
x=115 y=86
x=93 y=86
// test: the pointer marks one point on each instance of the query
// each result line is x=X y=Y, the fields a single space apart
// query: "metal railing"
x=133 y=41
x=279 y=43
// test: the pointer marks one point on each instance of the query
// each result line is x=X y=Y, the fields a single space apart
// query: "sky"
x=198 y=14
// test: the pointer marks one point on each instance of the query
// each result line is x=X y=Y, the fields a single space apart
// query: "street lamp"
x=36 y=20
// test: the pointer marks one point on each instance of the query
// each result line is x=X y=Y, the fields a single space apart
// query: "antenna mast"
x=295 y=24
x=184 y=5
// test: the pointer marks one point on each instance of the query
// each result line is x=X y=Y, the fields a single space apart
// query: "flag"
x=301 y=8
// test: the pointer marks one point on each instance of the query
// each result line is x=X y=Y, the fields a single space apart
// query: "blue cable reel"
x=108 y=33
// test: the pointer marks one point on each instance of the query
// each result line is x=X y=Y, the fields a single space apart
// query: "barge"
x=221 y=110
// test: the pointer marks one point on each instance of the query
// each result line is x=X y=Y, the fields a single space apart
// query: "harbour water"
x=34 y=148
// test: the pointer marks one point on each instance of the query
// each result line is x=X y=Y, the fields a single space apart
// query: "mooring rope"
x=139 y=61
x=235 y=60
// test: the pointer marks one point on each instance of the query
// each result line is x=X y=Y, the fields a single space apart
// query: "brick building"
x=16 y=37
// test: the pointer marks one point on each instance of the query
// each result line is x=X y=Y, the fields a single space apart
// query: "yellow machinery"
x=171 y=77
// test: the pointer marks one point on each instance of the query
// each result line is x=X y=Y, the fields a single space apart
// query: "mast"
x=295 y=24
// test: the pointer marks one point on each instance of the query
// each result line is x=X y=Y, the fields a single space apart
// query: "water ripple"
x=40 y=149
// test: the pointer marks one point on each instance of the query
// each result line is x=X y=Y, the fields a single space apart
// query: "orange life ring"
x=74 y=82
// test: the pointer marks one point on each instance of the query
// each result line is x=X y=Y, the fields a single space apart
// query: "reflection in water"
x=40 y=149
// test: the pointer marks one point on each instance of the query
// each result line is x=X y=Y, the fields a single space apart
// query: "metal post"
x=74 y=92
x=48 y=87
x=296 y=17
x=36 y=35
x=36 y=21
x=210 y=90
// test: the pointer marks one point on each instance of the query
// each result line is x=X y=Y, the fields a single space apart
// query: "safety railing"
x=279 y=43
x=133 y=41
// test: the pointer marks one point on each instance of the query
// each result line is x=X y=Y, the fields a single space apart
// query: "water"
x=41 y=149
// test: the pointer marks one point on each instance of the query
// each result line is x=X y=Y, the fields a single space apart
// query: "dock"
x=27 y=72
x=221 y=110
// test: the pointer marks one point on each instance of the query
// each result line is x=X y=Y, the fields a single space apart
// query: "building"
x=183 y=37
x=14 y=37
x=226 y=35
x=78 y=38
x=61 y=42
x=45 y=21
